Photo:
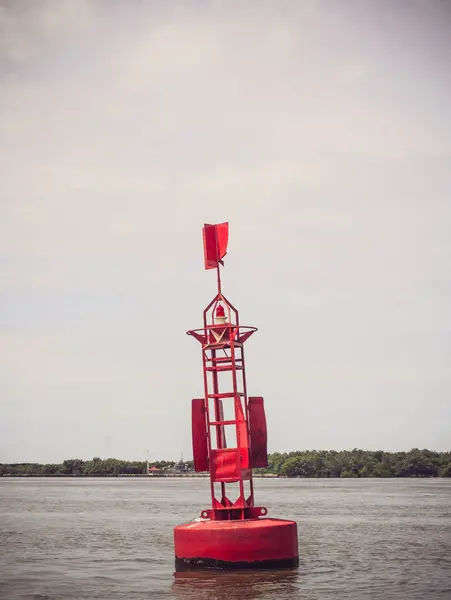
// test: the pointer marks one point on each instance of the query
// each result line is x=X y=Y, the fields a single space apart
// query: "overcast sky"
x=320 y=130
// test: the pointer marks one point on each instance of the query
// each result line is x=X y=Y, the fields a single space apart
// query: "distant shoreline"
x=205 y=475
x=315 y=464
x=139 y=475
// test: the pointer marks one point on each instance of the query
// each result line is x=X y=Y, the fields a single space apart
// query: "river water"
x=110 y=539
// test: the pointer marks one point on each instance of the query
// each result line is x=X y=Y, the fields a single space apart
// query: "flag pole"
x=219 y=278
x=218 y=259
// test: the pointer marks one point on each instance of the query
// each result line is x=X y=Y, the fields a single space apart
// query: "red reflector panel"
x=257 y=425
x=199 y=430
x=216 y=238
x=225 y=464
x=241 y=431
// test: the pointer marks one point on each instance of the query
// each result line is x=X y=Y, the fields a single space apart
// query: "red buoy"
x=229 y=440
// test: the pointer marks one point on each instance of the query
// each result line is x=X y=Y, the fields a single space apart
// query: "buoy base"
x=245 y=544
x=184 y=564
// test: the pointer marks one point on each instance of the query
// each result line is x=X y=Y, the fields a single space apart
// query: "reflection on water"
x=224 y=585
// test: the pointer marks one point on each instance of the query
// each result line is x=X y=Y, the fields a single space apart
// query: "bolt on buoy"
x=229 y=439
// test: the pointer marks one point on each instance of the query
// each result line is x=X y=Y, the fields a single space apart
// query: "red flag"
x=216 y=238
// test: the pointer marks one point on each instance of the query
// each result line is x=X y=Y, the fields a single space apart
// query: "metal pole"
x=219 y=278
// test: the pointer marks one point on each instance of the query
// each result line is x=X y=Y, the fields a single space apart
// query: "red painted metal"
x=199 y=430
x=215 y=244
x=257 y=421
x=229 y=542
x=229 y=440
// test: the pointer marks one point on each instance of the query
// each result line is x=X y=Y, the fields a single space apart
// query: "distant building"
x=180 y=467
x=154 y=471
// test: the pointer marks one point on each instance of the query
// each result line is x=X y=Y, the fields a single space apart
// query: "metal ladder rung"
x=225 y=368
x=222 y=359
x=227 y=395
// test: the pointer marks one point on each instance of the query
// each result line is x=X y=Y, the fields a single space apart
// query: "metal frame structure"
x=222 y=340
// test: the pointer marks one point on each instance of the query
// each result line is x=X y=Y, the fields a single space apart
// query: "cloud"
x=25 y=27
x=322 y=133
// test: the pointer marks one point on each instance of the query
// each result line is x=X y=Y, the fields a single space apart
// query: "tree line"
x=96 y=467
x=310 y=463
x=359 y=463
